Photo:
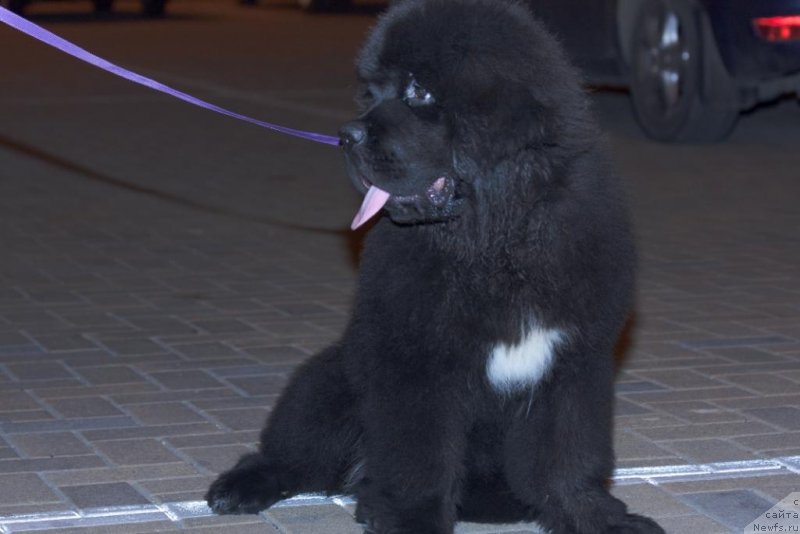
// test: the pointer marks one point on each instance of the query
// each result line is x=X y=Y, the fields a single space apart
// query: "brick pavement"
x=144 y=335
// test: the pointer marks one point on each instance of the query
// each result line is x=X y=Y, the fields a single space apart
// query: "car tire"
x=322 y=5
x=103 y=6
x=15 y=6
x=680 y=89
x=153 y=8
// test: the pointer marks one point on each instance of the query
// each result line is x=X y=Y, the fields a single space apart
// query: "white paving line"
x=179 y=511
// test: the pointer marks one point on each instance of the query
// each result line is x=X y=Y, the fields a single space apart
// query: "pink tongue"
x=373 y=202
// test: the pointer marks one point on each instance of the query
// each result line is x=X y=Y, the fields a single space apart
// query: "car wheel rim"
x=664 y=59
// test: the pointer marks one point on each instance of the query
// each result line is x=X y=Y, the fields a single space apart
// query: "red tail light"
x=778 y=29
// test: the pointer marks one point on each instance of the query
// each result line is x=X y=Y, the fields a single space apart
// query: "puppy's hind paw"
x=248 y=488
x=636 y=524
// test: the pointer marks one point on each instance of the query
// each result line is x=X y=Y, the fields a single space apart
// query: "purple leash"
x=37 y=32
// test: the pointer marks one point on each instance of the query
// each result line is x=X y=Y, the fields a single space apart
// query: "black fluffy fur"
x=530 y=228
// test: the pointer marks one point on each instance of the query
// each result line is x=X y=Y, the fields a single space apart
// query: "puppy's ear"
x=506 y=124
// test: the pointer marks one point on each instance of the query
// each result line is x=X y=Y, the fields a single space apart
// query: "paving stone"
x=629 y=446
x=217 y=395
x=108 y=525
x=7 y=452
x=260 y=385
x=25 y=488
x=49 y=444
x=700 y=412
x=328 y=519
x=233 y=524
x=84 y=407
x=669 y=395
x=787 y=417
x=24 y=416
x=159 y=431
x=161 y=326
x=195 y=484
x=39 y=371
x=84 y=358
x=41 y=465
x=250 y=370
x=216 y=459
x=623 y=407
x=17 y=400
x=708 y=450
x=765 y=383
x=34 y=509
x=210 y=365
x=760 y=402
x=227 y=326
x=241 y=419
x=14 y=339
x=248 y=437
x=106 y=473
x=784 y=482
x=277 y=354
x=747 y=354
x=735 y=509
x=56 y=425
x=136 y=452
x=177 y=380
x=204 y=350
x=88 y=391
x=709 y=430
x=692 y=524
x=769 y=442
x=164 y=413
x=132 y=345
x=736 y=369
x=63 y=342
x=638 y=387
x=102 y=495
x=110 y=374
x=651 y=501
x=735 y=342
x=679 y=379
x=88 y=317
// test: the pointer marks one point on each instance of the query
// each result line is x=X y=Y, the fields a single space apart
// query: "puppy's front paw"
x=248 y=488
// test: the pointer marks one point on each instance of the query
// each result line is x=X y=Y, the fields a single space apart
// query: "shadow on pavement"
x=96 y=176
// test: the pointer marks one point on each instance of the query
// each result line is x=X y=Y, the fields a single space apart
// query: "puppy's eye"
x=364 y=97
x=415 y=95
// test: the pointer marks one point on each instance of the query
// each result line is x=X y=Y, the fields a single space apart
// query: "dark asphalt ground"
x=163 y=268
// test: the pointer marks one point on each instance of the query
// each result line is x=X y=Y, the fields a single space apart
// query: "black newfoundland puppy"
x=474 y=380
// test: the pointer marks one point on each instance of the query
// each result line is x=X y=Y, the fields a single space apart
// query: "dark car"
x=691 y=65
x=150 y=8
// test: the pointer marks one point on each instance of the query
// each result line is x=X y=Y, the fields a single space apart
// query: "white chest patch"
x=514 y=367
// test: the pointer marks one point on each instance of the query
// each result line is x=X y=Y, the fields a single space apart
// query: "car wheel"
x=680 y=89
x=103 y=6
x=15 y=6
x=153 y=8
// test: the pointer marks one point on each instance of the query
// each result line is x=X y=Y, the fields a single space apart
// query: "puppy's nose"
x=353 y=133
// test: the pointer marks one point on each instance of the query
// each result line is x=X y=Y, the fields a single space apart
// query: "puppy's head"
x=401 y=146
x=458 y=98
